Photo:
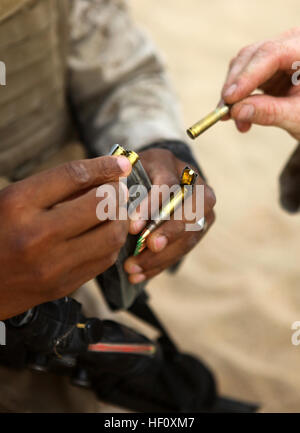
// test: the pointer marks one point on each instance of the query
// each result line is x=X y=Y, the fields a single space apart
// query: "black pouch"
x=172 y=382
x=118 y=291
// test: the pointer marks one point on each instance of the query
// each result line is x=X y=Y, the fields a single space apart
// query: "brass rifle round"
x=208 y=121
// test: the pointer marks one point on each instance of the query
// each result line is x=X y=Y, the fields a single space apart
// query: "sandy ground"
x=237 y=294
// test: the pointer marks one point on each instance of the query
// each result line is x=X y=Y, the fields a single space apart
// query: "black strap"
x=142 y=310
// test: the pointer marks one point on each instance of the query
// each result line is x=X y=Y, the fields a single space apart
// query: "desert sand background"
x=237 y=294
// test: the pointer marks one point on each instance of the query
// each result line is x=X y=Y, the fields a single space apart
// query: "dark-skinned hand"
x=169 y=242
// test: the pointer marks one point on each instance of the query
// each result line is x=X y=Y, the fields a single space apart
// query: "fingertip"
x=243 y=126
x=131 y=228
x=124 y=165
x=157 y=242
x=236 y=92
x=228 y=93
x=226 y=117
x=127 y=264
x=136 y=226
x=137 y=278
x=131 y=267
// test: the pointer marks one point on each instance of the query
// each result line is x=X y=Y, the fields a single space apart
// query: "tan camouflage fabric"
x=33 y=114
x=126 y=74
x=94 y=52
x=9 y=7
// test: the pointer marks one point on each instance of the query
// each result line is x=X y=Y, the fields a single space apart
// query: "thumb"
x=57 y=184
x=283 y=112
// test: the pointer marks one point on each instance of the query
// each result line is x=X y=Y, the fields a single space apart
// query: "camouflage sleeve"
x=119 y=90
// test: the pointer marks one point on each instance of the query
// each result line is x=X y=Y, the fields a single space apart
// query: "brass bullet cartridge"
x=118 y=150
x=133 y=157
x=208 y=121
x=188 y=178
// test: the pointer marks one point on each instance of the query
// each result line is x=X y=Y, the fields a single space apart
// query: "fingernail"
x=242 y=126
x=137 y=226
x=135 y=269
x=124 y=164
x=160 y=243
x=246 y=112
x=230 y=90
x=138 y=278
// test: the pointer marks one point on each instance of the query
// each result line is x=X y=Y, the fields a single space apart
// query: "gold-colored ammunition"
x=118 y=150
x=208 y=121
x=132 y=156
x=188 y=178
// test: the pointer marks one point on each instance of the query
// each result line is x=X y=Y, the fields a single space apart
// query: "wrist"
x=179 y=149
